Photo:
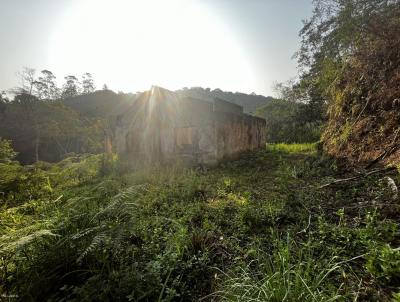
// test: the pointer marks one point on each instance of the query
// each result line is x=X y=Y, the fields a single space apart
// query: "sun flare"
x=132 y=45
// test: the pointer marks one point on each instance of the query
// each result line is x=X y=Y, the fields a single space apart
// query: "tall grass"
x=286 y=275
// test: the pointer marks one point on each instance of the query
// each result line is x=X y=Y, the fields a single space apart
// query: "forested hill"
x=101 y=103
x=249 y=102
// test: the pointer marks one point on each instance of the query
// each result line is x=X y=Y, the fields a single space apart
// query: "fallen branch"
x=357 y=176
x=361 y=256
x=393 y=147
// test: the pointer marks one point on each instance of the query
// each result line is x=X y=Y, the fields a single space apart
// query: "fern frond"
x=7 y=244
x=86 y=232
x=121 y=204
x=96 y=242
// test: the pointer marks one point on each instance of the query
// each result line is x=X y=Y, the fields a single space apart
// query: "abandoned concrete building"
x=163 y=126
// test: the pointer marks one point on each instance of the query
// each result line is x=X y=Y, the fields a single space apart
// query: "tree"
x=87 y=83
x=70 y=87
x=25 y=97
x=40 y=90
x=3 y=97
x=27 y=79
x=3 y=101
x=42 y=127
x=7 y=154
x=42 y=87
x=105 y=87
x=288 y=122
x=329 y=38
x=28 y=113
x=46 y=85
x=289 y=91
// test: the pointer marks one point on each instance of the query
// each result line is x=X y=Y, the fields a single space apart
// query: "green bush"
x=7 y=154
x=384 y=264
x=289 y=122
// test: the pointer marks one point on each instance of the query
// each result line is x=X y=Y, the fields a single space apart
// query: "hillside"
x=103 y=103
x=249 y=102
x=364 y=111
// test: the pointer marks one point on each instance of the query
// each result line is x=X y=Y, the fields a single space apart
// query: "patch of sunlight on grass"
x=229 y=199
x=292 y=148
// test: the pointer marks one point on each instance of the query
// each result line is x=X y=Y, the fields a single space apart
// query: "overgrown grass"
x=293 y=148
x=255 y=229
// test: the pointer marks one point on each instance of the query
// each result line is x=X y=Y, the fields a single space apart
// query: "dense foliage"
x=7 y=153
x=331 y=35
x=48 y=130
x=289 y=122
x=260 y=228
x=349 y=63
x=364 y=109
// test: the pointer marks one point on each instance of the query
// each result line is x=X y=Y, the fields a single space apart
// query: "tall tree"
x=3 y=99
x=25 y=97
x=3 y=102
x=70 y=87
x=27 y=79
x=46 y=85
x=87 y=83
x=24 y=121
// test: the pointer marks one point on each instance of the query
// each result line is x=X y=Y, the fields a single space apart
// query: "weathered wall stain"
x=162 y=126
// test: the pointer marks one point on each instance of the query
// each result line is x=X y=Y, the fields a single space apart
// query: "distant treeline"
x=47 y=122
x=249 y=102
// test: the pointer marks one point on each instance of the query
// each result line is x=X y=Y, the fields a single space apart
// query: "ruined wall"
x=237 y=134
x=163 y=127
x=194 y=132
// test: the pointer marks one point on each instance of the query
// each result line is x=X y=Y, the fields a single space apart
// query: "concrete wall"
x=160 y=126
x=237 y=134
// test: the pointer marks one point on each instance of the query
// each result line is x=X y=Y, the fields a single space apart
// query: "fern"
x=9 y=243
x=85 y=232
x=114 y=220
x=121 y=205
x=96 y=242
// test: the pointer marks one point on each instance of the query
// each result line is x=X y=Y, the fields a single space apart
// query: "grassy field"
x=260 y=228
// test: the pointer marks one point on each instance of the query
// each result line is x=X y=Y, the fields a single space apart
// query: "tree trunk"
x=37 y=148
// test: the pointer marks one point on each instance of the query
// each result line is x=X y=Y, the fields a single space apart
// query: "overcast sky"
x=236 y=45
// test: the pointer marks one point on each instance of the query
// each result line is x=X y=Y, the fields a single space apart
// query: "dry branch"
x=336 y=181
x=393 y=147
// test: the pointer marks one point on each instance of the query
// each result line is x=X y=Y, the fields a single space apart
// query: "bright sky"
x=234 y=45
